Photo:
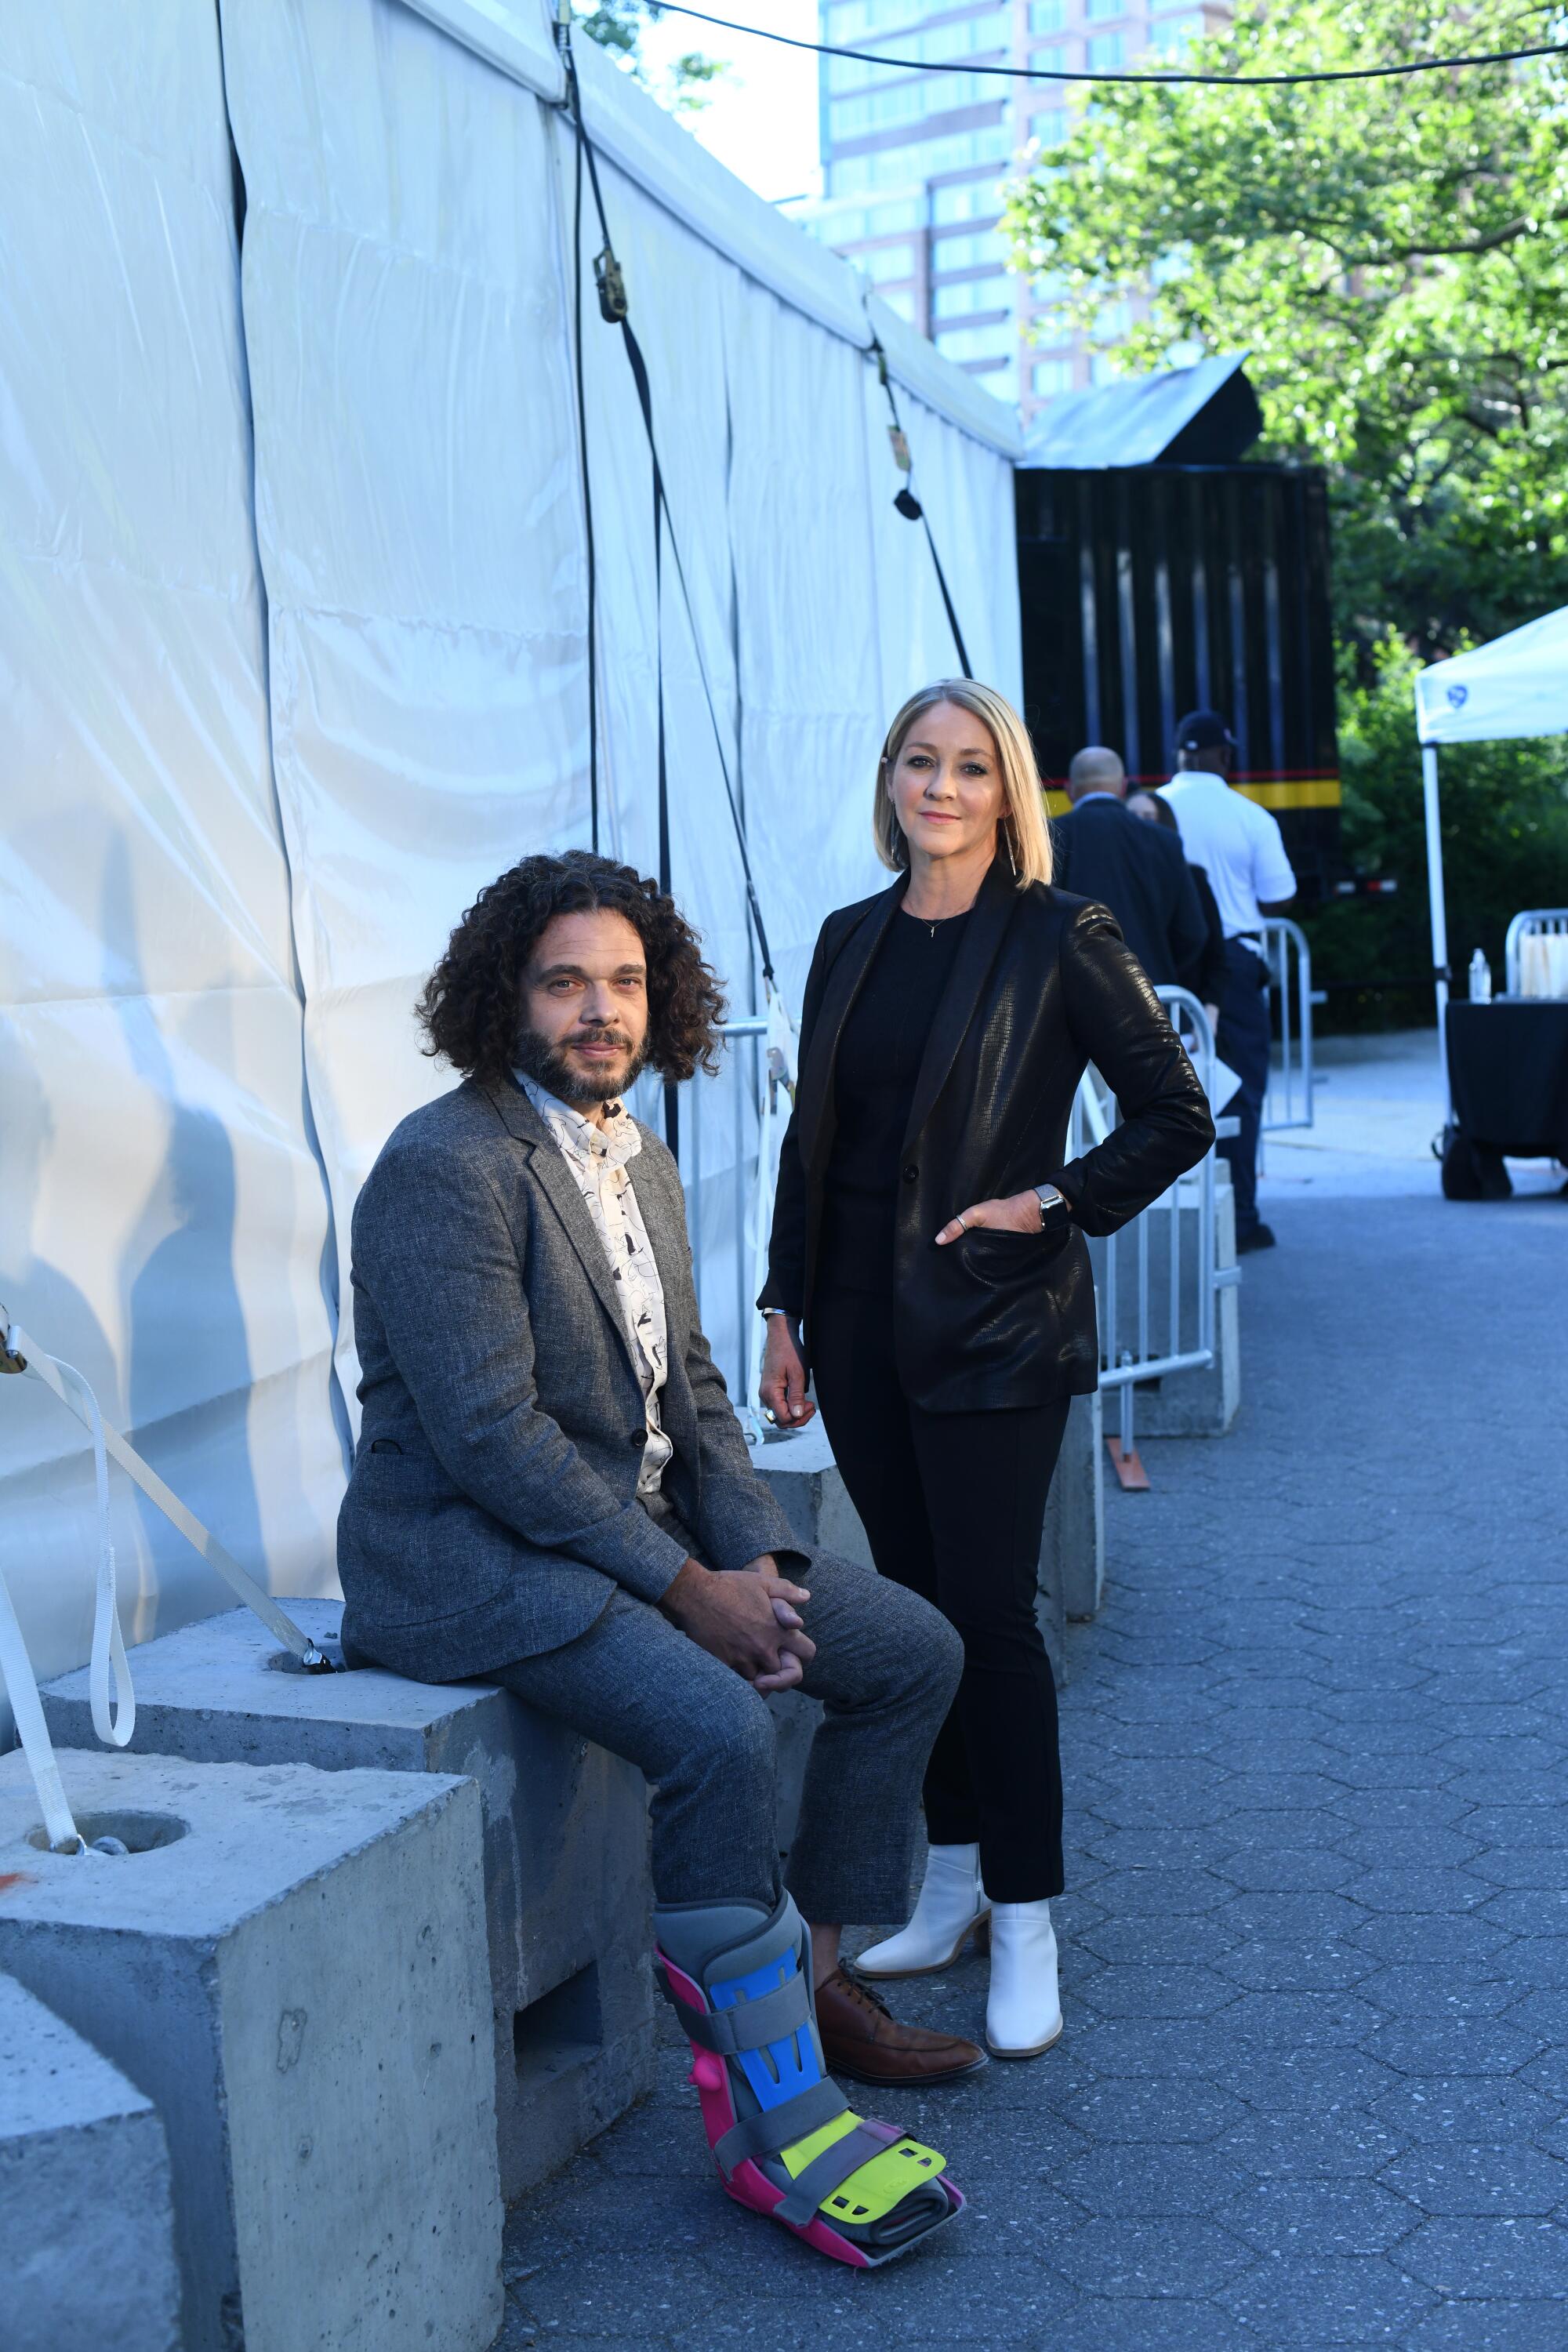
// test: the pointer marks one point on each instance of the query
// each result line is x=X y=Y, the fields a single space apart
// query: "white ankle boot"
x=1024 y=2011
x=952 y=1903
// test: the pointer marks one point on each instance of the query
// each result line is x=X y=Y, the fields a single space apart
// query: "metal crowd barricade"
x=1155 y=1294
x=1156 y=1285
x=719 y=1119
x=1289 y=1101
x=1535 y=922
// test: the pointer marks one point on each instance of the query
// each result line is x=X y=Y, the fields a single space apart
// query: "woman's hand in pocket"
x=782 y=1383
x=1019 y=1213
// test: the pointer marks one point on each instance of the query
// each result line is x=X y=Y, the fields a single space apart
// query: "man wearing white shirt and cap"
x=1243 y=850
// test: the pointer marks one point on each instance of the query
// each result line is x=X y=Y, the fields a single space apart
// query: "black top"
x=1041 y=984
x=1106 y=854
x=879 y=1061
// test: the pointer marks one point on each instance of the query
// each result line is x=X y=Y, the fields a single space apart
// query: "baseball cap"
x=1203 y=731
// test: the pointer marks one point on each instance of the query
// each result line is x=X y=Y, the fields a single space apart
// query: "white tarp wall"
x=210 y=958
x=162 y=1221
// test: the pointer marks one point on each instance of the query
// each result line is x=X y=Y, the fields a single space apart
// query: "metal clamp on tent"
x=21 y=1353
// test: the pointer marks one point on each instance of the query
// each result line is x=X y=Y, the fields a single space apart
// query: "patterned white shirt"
x=599 y=1158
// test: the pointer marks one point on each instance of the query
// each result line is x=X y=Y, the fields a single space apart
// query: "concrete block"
x=290 y=1965
x=1072 y=1548
x=565 y=1828
x=87 y=2220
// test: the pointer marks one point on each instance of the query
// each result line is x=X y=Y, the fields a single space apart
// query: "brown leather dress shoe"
x=862 y=2039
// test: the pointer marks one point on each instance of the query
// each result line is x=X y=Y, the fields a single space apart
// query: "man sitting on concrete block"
x=552 y=1491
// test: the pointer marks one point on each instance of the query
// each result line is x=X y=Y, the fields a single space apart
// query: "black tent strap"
x=614 y=308
x=909 y=507
x=587 y=494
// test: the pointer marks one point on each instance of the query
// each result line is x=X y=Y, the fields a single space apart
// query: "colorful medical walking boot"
x=784 y=2136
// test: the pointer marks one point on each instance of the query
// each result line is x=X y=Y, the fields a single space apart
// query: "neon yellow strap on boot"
x=877 y=2185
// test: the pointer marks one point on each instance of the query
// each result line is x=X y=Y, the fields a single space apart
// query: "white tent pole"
x=1439 y=918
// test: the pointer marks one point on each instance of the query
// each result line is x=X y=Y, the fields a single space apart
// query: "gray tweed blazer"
x=492 y=1507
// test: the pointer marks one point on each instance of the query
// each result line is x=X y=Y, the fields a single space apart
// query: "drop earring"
x=1007 y=837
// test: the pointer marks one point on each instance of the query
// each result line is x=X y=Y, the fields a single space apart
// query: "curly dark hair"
x=470 y=1006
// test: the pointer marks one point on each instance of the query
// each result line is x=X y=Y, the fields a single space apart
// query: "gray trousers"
x=886 y=1668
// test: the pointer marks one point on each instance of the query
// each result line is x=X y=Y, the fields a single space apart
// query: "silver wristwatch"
x=1048 y=1198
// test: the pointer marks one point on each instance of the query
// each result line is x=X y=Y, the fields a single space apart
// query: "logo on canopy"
x=1458 y=695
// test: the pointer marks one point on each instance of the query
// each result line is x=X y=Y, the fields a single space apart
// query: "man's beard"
x=547 y=1065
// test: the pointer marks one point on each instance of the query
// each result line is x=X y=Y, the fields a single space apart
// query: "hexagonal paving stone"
x=1319 y=2217
x=1483 y=2110
x=1172 y=1992
x=1510 y=2181
x=1453 y=2046
x=1470 y=2257
x=1343 y=2143
x=1167 y=2109
x=1315 y=2302
x=1169 y=2256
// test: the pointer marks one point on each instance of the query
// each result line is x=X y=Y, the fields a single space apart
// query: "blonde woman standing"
x=928 y=1268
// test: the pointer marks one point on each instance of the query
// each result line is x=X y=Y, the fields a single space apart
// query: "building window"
x=968 y=295
x=1047 y=15
x=1050 y=58
x=997 y=341
x=1001 y=383
x=1102 y=369
x=1049 y=377
x=885 y=262
x=1050 y=126
x=901 y=299
x=1174 y=36
x=1107 y=51
x=982 y=248
x=974 y=200
x=1104 y=12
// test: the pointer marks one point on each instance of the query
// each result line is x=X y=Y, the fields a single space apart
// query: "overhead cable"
x=1174 y=76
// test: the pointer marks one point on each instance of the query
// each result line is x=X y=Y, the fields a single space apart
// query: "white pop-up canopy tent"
x=1517 y=686
x=293 y=661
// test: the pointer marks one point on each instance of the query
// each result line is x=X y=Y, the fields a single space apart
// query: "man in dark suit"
x=550 y=1490
x=1136 y=870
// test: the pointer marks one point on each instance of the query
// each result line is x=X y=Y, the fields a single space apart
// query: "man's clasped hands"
x=747 y=1617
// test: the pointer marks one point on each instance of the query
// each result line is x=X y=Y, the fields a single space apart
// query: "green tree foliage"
x=1393 y=257
x=1505 y=846
x=619 y=25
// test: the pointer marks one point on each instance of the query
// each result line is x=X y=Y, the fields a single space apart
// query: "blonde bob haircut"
x=1025 y=834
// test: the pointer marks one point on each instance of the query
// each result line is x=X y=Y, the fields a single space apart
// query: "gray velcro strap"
x=751 y=2025
x=778 y=2128
x=830 y=2170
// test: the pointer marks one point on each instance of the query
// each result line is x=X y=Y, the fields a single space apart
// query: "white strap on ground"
x=43 y=1367
x=22 y=1690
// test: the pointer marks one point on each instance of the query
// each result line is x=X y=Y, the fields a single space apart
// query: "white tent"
x=292 y=658
x=1517 y=686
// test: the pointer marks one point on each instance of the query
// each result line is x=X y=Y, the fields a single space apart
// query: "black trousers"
x=953 y=1504
x=1242 y=1041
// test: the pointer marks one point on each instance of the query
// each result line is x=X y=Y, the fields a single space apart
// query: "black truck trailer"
x=1150 y=590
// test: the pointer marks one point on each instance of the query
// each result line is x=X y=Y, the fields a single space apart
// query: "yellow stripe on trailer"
x=1299 y=792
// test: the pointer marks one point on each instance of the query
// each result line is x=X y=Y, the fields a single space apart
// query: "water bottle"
x=1480 y=979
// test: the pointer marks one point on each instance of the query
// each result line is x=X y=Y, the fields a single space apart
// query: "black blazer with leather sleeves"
x=1042 y=984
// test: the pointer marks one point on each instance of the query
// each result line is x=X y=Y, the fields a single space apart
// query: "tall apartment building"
x=914 y=164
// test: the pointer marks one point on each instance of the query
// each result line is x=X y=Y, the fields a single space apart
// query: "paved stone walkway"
x=1313 y=2089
